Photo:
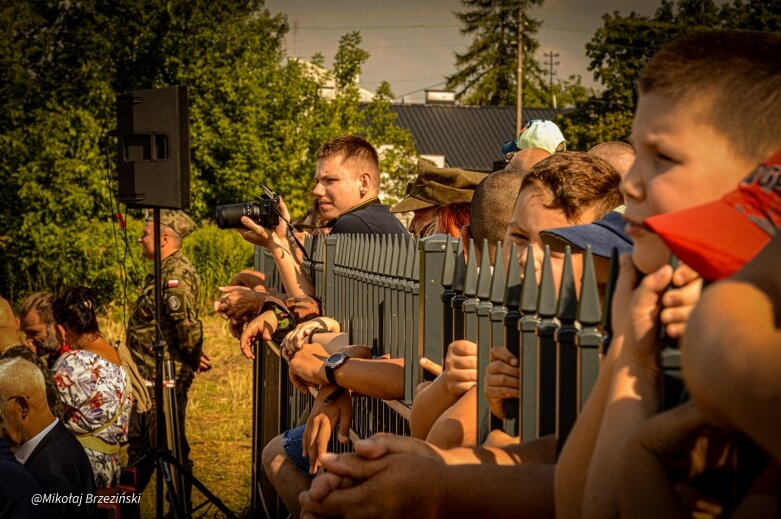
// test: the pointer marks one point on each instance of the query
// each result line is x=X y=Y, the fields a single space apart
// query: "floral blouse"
x=94 y=390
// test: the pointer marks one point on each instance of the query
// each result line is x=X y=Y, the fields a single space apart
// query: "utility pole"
x=550 y=55
x=519 y=93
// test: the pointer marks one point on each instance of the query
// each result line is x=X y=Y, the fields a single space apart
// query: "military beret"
x=176 y=220
x=438 y=187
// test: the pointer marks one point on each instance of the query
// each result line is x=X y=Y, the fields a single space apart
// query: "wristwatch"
x=333 y=363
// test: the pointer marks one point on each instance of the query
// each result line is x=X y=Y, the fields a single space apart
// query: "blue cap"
x=603 y=235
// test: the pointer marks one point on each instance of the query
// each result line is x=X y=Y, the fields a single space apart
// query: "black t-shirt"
x=373 y=218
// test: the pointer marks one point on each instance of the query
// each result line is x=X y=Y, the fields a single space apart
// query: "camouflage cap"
x=437 y=187
x=8 y=327
x=176 y=220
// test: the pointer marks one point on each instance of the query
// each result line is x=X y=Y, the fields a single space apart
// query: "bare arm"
x=379 y=378
x=428 y=405
x=732 y=338
x=420 y=485
x=294 y=281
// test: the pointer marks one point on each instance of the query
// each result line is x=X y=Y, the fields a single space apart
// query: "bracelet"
x=319 y=329
x=334 y=395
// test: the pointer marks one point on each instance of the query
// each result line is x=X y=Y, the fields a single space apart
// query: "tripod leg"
x=164 y=464
x=197 y=484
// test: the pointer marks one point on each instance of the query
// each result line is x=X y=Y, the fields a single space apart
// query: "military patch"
x=174 y=304
x=173 y=283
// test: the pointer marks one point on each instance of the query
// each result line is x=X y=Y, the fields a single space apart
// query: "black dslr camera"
x=264 y=211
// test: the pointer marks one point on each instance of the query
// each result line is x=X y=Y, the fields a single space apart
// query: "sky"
x=412 y=43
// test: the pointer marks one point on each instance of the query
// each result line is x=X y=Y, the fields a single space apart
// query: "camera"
x=264 y=211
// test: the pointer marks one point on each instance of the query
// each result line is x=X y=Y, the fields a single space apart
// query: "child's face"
x=530 y=217
x=681 y=162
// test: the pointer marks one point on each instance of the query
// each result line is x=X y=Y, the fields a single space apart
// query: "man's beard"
x=48 y=345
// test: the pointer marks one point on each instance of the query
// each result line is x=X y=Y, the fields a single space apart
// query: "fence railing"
x=411 y=298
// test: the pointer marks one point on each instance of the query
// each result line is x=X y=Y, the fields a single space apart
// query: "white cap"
x=541 y=134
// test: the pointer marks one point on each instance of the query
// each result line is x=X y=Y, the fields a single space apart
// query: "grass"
x=219 y=421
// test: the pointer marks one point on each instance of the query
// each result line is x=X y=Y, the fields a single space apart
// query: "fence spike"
x=484 y=278
x=529 y=289
x=416 y=261
x=499 y=279
x=401 y=263
x=546 y=300
x=470 y=283
x=567 y=307
x=460 y=268
x=411 y=252
x=610 y=289
x=589 y=310
x=448 y=268
x=513 y=289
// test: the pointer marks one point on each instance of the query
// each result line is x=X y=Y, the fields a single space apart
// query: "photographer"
x=347 y=189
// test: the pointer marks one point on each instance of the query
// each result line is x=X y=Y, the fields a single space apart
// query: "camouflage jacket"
x=180 y=325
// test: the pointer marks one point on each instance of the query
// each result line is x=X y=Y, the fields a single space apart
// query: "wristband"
x=319 y=329
x=334 y=395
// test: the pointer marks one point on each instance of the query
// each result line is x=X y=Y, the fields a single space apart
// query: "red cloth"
x=718 y=238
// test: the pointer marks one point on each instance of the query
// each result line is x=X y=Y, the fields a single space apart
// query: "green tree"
x=625 y=43
x=487 y=70
x=254 y=116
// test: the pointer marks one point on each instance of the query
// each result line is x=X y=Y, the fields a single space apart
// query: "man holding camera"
x=347 y=191
x=180 y=327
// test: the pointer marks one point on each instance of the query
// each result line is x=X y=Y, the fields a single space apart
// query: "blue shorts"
x=292 y=442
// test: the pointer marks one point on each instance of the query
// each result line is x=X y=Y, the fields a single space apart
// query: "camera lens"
x=229 y=216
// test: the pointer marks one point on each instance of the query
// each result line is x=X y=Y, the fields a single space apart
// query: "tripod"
x=163 y=458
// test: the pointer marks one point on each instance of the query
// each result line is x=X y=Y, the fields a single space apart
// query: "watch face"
x=335 y=360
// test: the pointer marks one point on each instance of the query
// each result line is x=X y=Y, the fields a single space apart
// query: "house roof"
x=469 y=137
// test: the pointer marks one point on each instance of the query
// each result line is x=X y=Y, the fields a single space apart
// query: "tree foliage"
x=487 y=70
x=254 y=116
x=625 y=43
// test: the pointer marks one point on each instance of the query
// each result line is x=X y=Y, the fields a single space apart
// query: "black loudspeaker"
x=153 y=134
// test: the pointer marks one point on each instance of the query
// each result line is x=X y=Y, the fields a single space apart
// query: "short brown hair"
x=577 y=181
x=492 y=208
x=352 y=147
x=41 y=302
x=737 y=78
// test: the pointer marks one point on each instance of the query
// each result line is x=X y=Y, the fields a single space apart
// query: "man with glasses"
x=42 y=443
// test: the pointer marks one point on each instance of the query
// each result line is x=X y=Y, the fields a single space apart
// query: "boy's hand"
x=678 y=302
x=502 y=379
x=461 y=367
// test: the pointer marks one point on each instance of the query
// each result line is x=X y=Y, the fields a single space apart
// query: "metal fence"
x=411 y=297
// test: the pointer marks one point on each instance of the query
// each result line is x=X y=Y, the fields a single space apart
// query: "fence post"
x=459 y=298
x=546 y=350
x=470 y=291
x=607 y=314
x=528 y=324
x=588 y=338
x=376 y=300
x=485 y=423
x=435 y=253
x=567 y=354
x=329 y=304
x=411 y=294
x=448 y=277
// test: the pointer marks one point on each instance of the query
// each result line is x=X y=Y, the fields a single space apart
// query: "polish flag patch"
x=172 y=283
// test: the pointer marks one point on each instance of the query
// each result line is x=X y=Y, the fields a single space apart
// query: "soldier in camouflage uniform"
x=181 y=329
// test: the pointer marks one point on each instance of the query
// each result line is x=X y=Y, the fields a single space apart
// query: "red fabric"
x=717 y=239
